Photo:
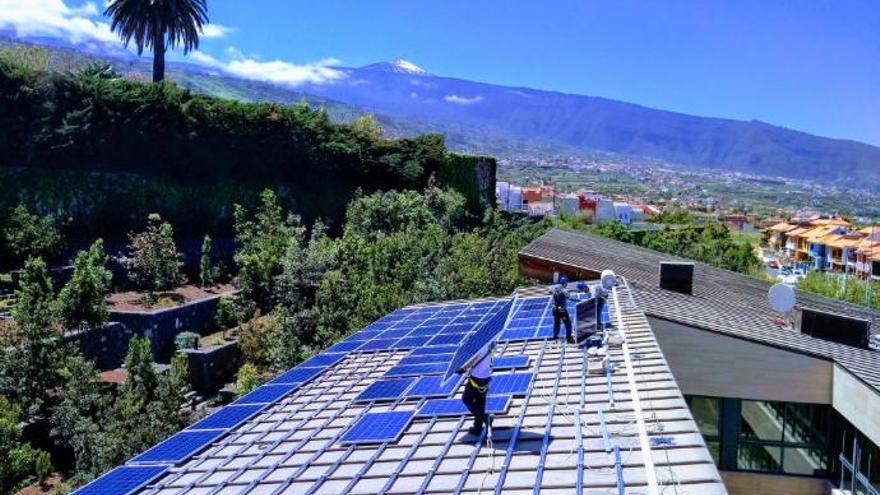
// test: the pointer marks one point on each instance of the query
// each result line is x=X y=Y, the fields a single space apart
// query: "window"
x=783 y=437
x=707 y=414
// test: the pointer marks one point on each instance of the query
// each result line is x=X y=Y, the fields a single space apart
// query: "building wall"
x=740 y=483
x=706 y=363
x=857 y=403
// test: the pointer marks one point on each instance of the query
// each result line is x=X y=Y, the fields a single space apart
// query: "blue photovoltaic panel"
x=180 y=446
x=417 y=369
x=495 y=404
x=447 y=338
x=521 y=361
x=510 y=384
x=345 y=346
x=324 y=359
x=517 y=334
x=297 y=375
x=546 y=331
x=458 y=328
x=424 y=351
x=385 y=389
x=479 y=339
x=428 y=358
x=362 y=336
x=378 y=345
x=535 y=303
x=394 y=333
x=378 y=427
x=122 y=480
x=432 y=386
x=228 y=417
x=427 y=330
x=410 y=342
x=265 y=394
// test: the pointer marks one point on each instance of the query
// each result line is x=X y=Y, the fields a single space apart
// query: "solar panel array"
x=476 y=343
x=532 y=318
x=378 y=427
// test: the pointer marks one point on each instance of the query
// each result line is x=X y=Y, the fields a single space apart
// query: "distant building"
x=540 y=209
x=570 y=204
x=532 y=195
x=509 y=196
x=735 y=221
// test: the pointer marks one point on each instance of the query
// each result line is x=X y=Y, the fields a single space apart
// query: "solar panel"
x=378 y=345
x=324 y=359
x=457 y=328
x=122 y=480
x=297 y=375
x=428 y=358
x=417 y=369
x=385 y=389
x=362 y=336
x=433 y=386
x=179 y=446
x=447 y=338
x=510 y=384
x=427 y=330
x=394 y=333
x=518 y=334
x=424 y=351
x=228 y=417
x=521 y=361
x=411 y=342
x=378 y=427
x=265 y=394
x=345 y=346
x=473 y=344
x=495 y=404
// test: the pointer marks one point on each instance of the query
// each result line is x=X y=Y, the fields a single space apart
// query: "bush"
x=208 y=273
x=82 y=301
x=255 y=338
x=16 y=458
x=43 y=466
x=187 y=340
x=228 y=314
x=30 y=236
x=247 y=380
x=154 y=263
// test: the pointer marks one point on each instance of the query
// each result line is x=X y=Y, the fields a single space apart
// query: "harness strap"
x=481 y=389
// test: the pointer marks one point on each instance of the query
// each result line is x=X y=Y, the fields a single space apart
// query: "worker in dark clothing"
x=560 y=308
x=477 y=387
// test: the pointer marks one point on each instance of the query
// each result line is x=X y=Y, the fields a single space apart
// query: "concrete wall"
x=858 y=403
x=739 y=483
x=105 y=346
x=162 y=325
x=210 y=368
x=707 y=363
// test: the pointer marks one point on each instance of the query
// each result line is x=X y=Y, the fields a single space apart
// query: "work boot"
x=475 y=430
x=569 y=339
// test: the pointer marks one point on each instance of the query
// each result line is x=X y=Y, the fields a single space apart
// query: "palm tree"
x=159 y=24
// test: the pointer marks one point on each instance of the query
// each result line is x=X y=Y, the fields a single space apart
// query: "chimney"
x=836 y=328
x=677 y=276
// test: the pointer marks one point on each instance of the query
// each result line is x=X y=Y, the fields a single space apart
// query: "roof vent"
x=677 y=276
x=836 y=328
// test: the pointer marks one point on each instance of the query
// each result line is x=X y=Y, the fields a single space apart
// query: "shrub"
x=81 y=301
x=16 y=459
x=154 y=263
x=43 y=466
x=247 y=380
x=208 y=273
x=187 y=340
x=29 y=235
x=256 y=337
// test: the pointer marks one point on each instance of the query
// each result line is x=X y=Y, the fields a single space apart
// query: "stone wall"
x=210 y=368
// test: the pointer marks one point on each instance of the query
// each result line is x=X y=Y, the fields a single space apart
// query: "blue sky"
x=810 y=65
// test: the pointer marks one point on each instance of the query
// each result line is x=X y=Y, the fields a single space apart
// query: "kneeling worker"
x=477 y=387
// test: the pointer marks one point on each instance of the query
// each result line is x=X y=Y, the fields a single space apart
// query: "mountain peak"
x=398 y=65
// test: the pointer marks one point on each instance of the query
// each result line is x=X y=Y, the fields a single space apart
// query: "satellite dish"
x=782 y=298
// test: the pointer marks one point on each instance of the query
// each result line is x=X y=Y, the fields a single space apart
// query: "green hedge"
x=473 y=176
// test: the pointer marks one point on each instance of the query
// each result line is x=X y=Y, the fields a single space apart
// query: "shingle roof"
x=723 y=301
x=550 y=437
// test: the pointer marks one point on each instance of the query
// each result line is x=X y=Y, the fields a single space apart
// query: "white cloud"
x=55 y=18
x=462 y=100
x=203 y=58
x=215 y=31
x=279 y=71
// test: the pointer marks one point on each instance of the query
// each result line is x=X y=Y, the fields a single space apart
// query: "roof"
x=818 y=232
x=783 y=227
x=842 y=241
x=549 y=434
x=723 y=301
x=800 y=231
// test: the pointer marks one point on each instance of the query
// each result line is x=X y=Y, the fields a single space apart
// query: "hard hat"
x=608 y=279
x=582 y=285
x=563 y=279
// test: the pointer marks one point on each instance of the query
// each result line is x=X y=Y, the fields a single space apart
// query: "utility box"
x=836 y=328
x=677 y=276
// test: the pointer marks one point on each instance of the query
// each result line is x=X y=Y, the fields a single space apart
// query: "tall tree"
x=159 y=25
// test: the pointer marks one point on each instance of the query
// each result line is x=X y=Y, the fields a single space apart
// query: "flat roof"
x=568 y=431
x=722 y=301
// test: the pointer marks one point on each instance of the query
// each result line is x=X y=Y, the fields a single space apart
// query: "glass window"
x=761 y=420
x=809 y=462
x=714 y=450
x=707 y=414
x=753 y=457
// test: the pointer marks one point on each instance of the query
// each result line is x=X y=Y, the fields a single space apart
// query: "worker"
x=561 y=297
x=477 y=387
x=600 y=292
